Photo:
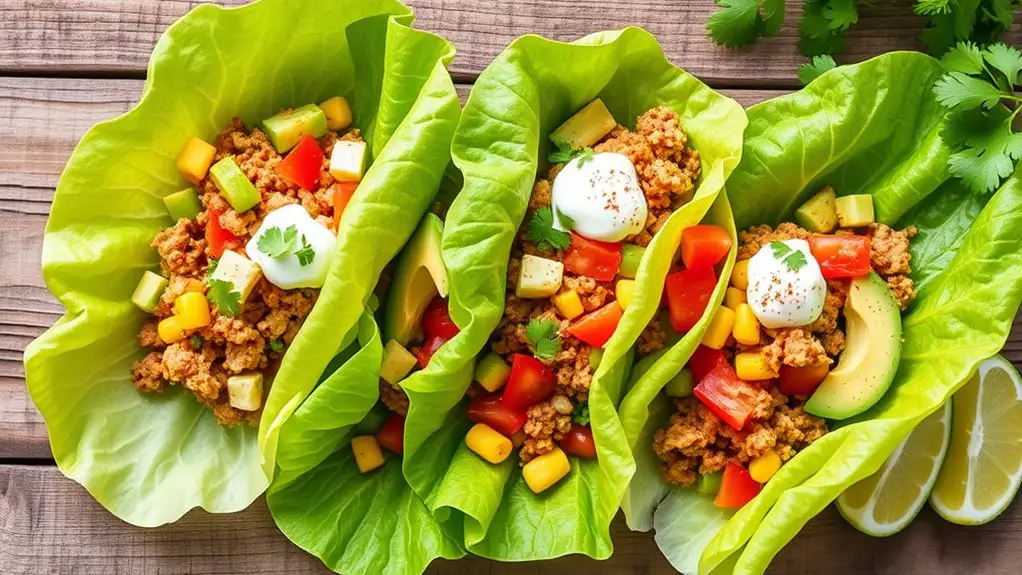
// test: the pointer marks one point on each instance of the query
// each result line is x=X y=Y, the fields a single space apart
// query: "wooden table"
x=67 y=64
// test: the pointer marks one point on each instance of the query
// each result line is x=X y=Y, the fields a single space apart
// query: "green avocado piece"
x=183 y=205
x=709 y=484
x=867 y=366
x=492 y=372
x=419 y=276
x=586 y=127
x=681 y=385
x=397 y=362
x=373 y=420
x=539 y=277
x=148 y=291
x=234 y=184
x=819 y=213
x=595 y=357
x=286 y=129
x=631 y=256
x=855 y=211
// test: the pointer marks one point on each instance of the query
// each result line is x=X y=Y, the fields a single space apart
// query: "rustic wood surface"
x=67 y=64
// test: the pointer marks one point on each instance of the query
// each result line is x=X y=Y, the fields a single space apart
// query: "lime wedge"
x=983 y=468
x=887 y=501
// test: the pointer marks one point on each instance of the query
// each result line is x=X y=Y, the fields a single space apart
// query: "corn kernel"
x=368 y=455
x=734 y=297
x=546 y=470
x=194 y=159
x=720 y=328
x=192 y=310
x=194 y=285
x=569 y=304
x=740 y=275
x=752 y=366
x=746 y=325
x=488 y=443
x=338 y=112
x=170 y=329
x=765 y=466
x=623 y=292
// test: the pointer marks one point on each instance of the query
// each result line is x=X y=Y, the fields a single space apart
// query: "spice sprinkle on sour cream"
x=599 y=194
x=786 y=286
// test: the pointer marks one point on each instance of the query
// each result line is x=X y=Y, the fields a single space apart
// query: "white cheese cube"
x=243 y=273
x=347 y=160
x=246 y=391
x=539 y=277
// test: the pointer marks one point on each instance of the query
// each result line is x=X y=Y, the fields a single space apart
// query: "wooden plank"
x=115 y=37
x=39 y=509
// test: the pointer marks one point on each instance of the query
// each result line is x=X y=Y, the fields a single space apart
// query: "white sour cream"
x=602 y=197
x=286 y=272
x=780 y=296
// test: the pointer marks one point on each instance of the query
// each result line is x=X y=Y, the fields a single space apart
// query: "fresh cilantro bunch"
x=951 y=21
x=979 y=88
x=544 y=337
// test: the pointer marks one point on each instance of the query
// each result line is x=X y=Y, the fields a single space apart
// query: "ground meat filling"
x=270 y=318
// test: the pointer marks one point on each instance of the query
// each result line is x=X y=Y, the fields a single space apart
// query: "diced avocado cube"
x=586 y=127
x=681 y=385
x=347 y=161
x=148 y=291
x=819 y=213
x=631 y=255
x=286 y=129
x=397 y=362
x=194 y=159
x=183 y=205
x=338 y=113
x=492 y=372
x=234 y=184
x=595 y=357
x=709 y=484
x=246 y=391
x=855 y=211
x=240 y=271
x=539 y=277
x=373 y=420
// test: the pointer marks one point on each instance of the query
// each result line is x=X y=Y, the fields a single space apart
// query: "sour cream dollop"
x=286 y=271
x=602 y=197
x=780 y=296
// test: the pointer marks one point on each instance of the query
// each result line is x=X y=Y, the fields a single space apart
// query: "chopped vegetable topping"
x=542 y=232
x=222 y=295
x=196 y=341
x=544 y=338
x=277 y=345
x=581 y=414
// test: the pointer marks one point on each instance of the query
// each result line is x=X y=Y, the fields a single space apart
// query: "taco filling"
x=251 y=245
x=810 y=331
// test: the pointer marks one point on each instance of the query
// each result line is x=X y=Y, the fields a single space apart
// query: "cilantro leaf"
x=584 y=155
x=277 y=345
x=581 y=413
x=562 y=155
x=965 y=58
x=956 y=90
x=213 y=263
x=814 y=69
x=306 y=254
x=542 y=233
x=563 y=221
x=795 y=260
x=544 y=337
x=772 y=12
x=196 y=342
x=222 y=295
x=987 y=159
x=841 y=14
x=736 y=23
x=1004 y=59
x=927 y=7
x=275 y=243
x=780 y=249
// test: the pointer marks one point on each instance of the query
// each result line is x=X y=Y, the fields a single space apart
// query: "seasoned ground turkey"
x=270 y=317
x=394 y=398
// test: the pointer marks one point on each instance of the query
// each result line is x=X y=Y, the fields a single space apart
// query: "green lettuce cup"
x=149 y=459
x=501 y=143
x=872 y=128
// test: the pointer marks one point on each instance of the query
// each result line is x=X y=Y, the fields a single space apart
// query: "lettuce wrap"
x=501 y=142
x=149 y=459
x=872 y=128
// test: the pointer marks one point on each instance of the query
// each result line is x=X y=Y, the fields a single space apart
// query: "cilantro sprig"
x=544 y=337
x=276 y=243
x=222 y=294
x=566 y=153
x=541 y=231
x=741 y=22
x=581 y=413
x=794 y=259
x=815 y=68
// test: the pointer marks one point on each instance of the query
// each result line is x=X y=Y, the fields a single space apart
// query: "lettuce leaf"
x=151 y=458
x=500 y=145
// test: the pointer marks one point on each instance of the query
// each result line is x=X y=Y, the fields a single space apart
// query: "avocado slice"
x=586 y=127
x=866 y=368
x=855 y=211
x=184 y=204
x=147 y=293
x=631 y=257
x=492 y=372
x=397 y=362
x=286 y=129
x=819 y=213
x=681 y=385
x=234 y=185
x=419 y=276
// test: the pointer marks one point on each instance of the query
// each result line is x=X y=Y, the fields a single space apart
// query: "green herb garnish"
x=277 y=345
x=740 y=22
x=544 y=337
x=213 y=263
x=196 y=341
x=565 y=154
x=276 y=243
x=581 y=413
x=794 y=259
x=306 y=254
x=815 y=68
x=222 y=295
x=542 y=233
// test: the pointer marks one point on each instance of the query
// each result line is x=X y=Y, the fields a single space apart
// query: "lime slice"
x=887 y=501
x=983 y=468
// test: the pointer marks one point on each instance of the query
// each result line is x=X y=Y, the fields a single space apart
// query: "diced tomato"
x=704 y=360
x=841 y=256
x=596 y=327
x=802 y=380
x=729 y=398
x=493 y=411
x=342 y=195
x=217 y=237
x=425 y=353
x=529 y=383
x=598 y=260
x=688 y=294
x=579 y=442
x=303 y=165
x=436 y=322
x=736 y=487
x=704 y=246
x=392 y=434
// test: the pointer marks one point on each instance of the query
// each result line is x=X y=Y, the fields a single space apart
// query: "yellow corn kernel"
x=194 y=285
x=192 y=310
x=752 y=366
x=623 y=292
x=545 y=470
x=488 y=443
x=338 y=112
x=569 y=304
x=170 y=329
x=720 y=328
x=734 y=297
x=765 y=466
x=746 y=325
x=740 y=275
x=518 y=438
x=368 y=455
x=194 y=159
